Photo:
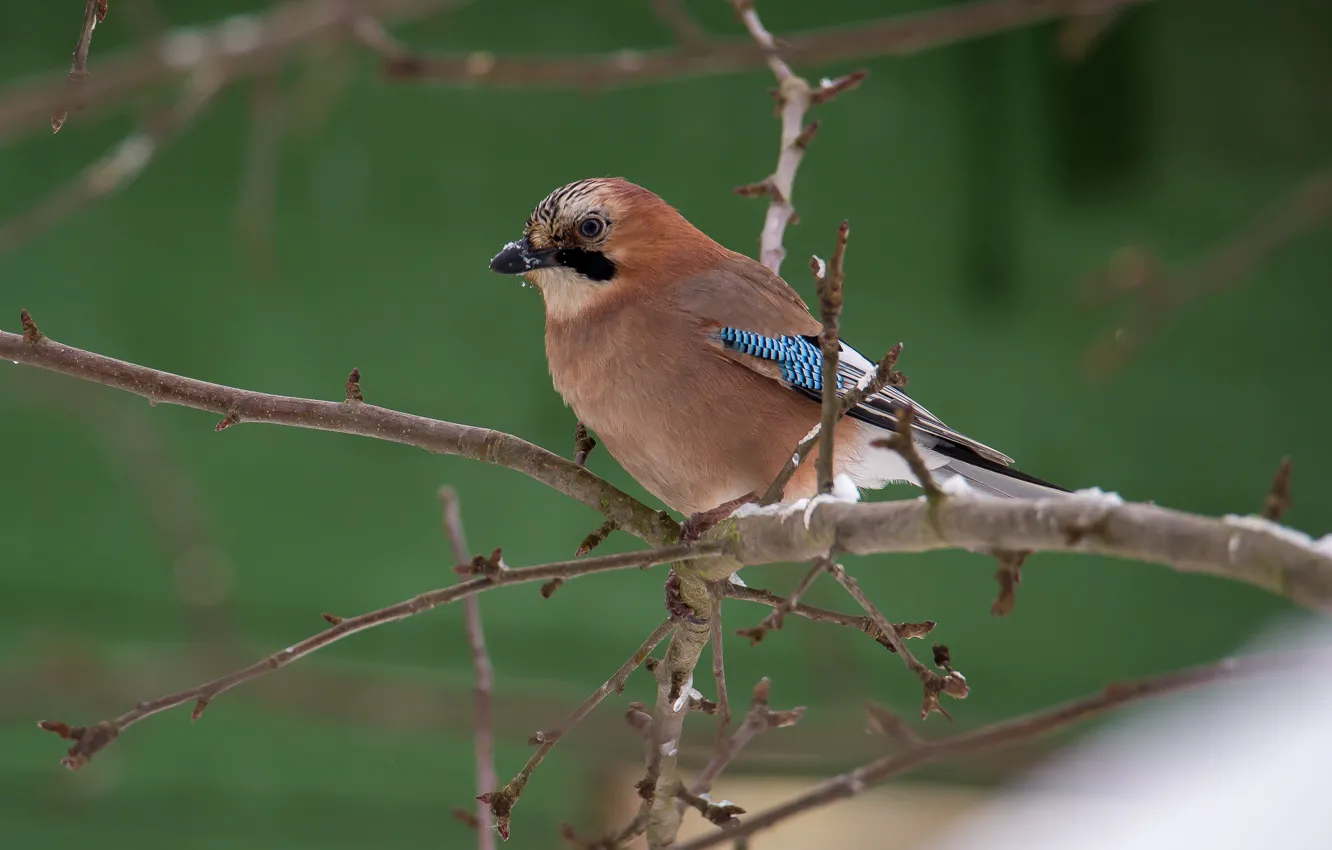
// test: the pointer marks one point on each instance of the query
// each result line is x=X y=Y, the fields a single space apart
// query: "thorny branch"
x=484 y=736
x=502 y=800
x=1017 y=730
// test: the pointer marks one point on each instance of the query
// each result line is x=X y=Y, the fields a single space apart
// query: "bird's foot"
x=675 y=604
x=700 y=523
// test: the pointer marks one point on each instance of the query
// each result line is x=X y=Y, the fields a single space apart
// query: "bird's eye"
x=591 y=227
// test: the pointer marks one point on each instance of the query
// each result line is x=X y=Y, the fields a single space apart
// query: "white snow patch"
x=1257 y=523
x=736 y=580
x=822 y=267
x=1098 y=495
x=1323 y=545
x=956 y=486
x=683 y=701
x=844 y=489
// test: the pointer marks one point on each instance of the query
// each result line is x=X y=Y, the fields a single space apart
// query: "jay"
x=699 y=368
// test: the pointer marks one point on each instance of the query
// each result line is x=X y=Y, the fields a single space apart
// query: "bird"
x=699 y=368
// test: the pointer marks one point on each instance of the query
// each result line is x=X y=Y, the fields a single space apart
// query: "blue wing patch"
x=800 y=361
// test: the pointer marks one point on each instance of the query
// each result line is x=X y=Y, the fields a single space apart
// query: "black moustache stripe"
x=592 y=265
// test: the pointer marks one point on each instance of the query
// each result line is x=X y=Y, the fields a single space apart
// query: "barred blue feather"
x=799 y=359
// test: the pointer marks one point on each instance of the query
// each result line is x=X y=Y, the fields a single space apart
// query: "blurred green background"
x=143 y=552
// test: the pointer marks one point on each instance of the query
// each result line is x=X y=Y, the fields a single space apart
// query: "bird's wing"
x=755 y=319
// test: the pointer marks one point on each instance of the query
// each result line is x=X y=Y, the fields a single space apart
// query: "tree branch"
x=1269 y=556
x=829 y=281
x=1014 y=731
x=1248 y=549
x=88 y=741
x=484 y=444
x=902 y=35
x=502 y=801
x=484 y=736
x=94 y=11
x=794 y=98
x=788 y=605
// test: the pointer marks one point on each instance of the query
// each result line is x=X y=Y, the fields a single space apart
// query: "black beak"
x=520 y=257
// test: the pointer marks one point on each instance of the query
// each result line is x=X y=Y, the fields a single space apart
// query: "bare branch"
x=785 y=606
x=1273 y=557
x=1278 y=496
x=794 y=98
x=94 y=12
x=366 y=420
x=484 y=736
x=884 y=375
x=906 y=631
x=90 y=740
x=904 y=443
x=953 y=684
x=718 y=661
x=829 y=282
x=502 y=801
x=595 y=538
x=687 y=32
x=760 y=719
x=1018 y=730
x=1248 y=549
x=118 y=168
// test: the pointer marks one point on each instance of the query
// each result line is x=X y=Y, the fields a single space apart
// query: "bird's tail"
x=992 y=479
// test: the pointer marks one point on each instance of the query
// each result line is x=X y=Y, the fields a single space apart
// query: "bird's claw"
x=700 y=523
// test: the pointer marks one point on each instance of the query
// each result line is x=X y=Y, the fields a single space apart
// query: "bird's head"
x=596 y=239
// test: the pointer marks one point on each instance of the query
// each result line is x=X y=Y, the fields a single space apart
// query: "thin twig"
x=904 y=443
x=760 y=719
x=366 y=420
x=786 y=606
x=884 y=375
x=1278 y=496
x=718 y=662
x=484 y=736
x=300 y=22
x=1017 y=730
x=502 y=800
x=88 y=741
x=94 y=12
x=595 y=537
x=952 y=684
x=861 y=623
x=117 y=169
x=688 y=34
x=829 y=280
x=794 y=98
